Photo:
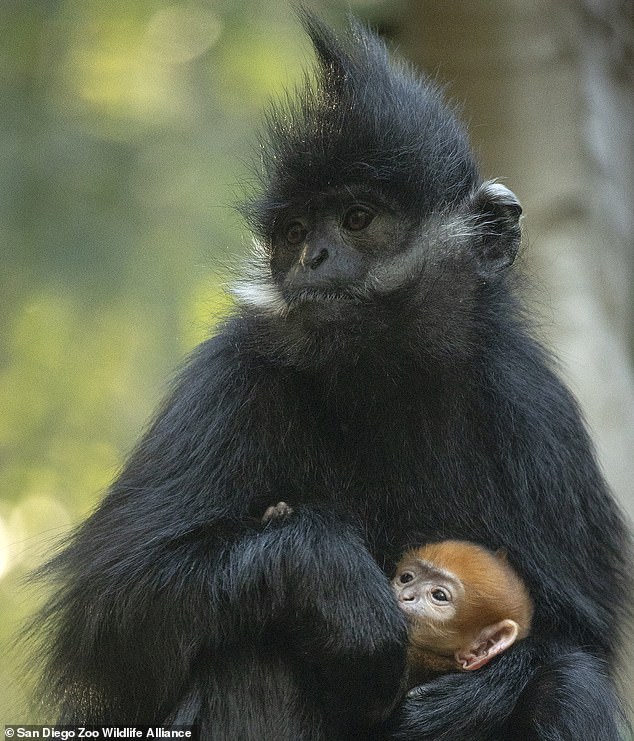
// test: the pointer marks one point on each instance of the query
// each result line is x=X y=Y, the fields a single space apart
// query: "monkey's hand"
x=465 y=705
x=277 y=511
x=448 y=708
x=512 y=698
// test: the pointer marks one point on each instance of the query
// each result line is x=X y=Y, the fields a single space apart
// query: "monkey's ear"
x=490 y=642
x=496 y=212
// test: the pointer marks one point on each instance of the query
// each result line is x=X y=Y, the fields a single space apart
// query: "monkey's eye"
x=406 y=577
x=295 y=233
x=357 y=218
x=440 y=595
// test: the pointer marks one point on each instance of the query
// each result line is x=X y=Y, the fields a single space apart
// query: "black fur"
x=565 y=700
x=363 y=121
x=416 y=407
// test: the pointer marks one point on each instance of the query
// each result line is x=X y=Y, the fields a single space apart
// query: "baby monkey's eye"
x=440 y=595
x=357 y=218
x=406 y=577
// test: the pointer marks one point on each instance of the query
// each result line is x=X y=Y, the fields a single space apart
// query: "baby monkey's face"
x=426 y=592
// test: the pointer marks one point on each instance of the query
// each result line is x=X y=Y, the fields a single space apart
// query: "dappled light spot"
x=180 y=33
x=34 y=526
x=4 y=548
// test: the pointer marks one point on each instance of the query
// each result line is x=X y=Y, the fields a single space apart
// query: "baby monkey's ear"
x=496 y=213
x=490 y=642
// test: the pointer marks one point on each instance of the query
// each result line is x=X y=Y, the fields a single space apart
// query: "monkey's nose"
x=406 y=596
x=315 y=253
x=317 y=260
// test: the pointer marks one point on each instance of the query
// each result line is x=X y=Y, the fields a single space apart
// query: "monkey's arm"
x=330 y=605
x=131 y=629
x=537 y=689
x=306 y=600
x=171 y=568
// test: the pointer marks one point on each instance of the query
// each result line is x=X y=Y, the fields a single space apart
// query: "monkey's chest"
x=407 y=481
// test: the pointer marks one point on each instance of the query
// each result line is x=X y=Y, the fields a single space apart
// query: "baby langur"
x=464 y=605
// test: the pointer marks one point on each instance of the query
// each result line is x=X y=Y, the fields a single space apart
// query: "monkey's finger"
x=269 y=513
x=418 y=692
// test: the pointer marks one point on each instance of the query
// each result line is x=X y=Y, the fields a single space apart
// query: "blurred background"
x=127 y=130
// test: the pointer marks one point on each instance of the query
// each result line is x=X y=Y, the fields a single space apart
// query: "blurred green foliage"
x=126 y=130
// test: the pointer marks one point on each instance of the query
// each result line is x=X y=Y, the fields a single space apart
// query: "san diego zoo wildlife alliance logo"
x=92 y=733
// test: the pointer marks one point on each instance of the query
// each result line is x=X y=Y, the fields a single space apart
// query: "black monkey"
x=378 y=374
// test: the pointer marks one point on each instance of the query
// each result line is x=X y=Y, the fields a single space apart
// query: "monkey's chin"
x=316 y=308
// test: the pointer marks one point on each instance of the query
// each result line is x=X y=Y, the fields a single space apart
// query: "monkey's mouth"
x=301 y=296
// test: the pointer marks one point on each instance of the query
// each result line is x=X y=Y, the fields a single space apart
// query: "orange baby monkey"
x=464 y=605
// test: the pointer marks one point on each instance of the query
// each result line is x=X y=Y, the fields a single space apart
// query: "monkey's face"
x=355 y=252
x=326 y=254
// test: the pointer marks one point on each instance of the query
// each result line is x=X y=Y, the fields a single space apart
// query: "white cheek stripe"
x=260 y=295
x=257 y=289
